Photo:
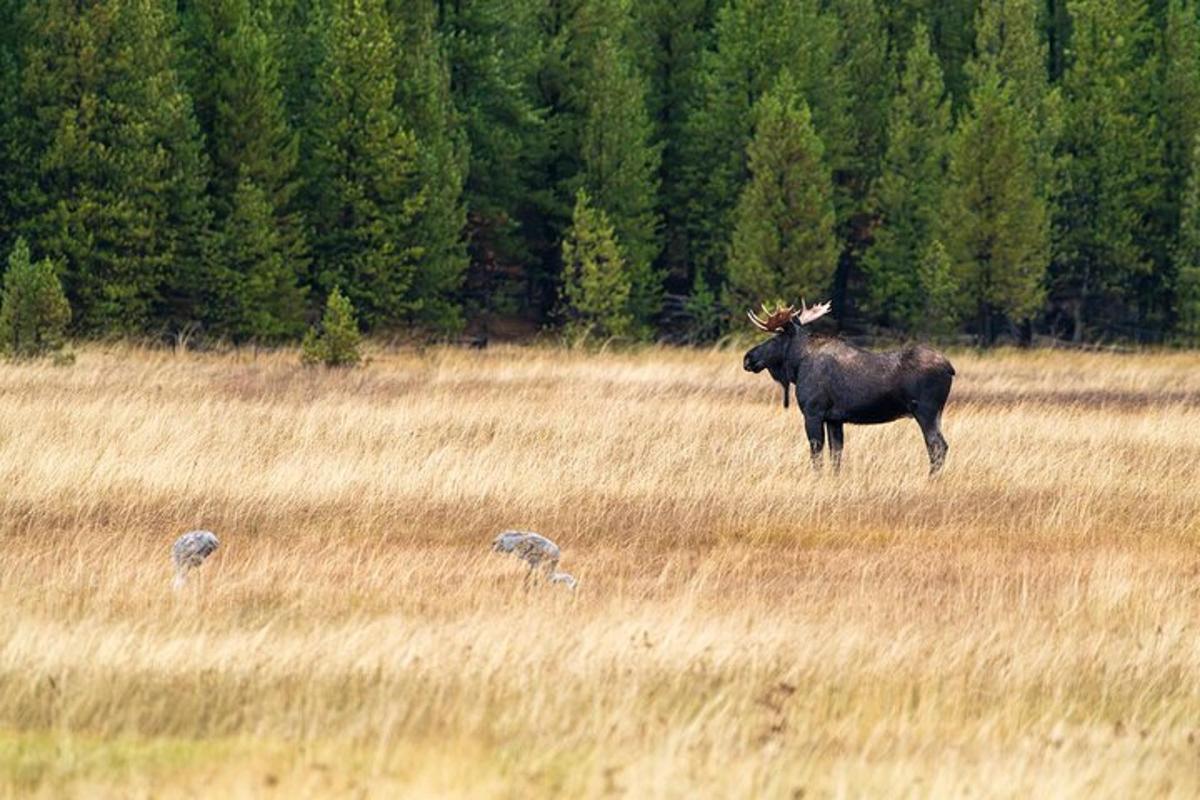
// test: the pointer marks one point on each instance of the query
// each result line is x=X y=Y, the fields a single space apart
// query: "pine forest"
x=993 y=171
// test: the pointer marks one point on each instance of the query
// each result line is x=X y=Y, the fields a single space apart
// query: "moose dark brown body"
x=837 y=383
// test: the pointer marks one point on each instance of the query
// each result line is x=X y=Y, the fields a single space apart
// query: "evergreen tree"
x=867 y=71
x=671 y=37
x=951 y=22
x=705 y=319
x=948 y=23
x=1179 y=105
x=1056 y=22
x=996 y=224
x=567 y=32
x=256 y=181
x=365 y=189
x=493 y=50
x=1110 y=177
x=1000 y=185
x=11 y=37
x=298 y=29
x=596 y=282
x=262 y=301
x=115 y=178
x=1187 y=257
x=908 y=193
x=756 y=41
x=1009 y=45
x=34 y=312
x=939 y=290
x=574 y=34
x=336 y=343
x=211 y=161
x=620 y=170
x=423 y=96
x=784 y=244
x=1178 y=108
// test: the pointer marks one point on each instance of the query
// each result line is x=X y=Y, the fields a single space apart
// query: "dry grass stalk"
x=1025 y=625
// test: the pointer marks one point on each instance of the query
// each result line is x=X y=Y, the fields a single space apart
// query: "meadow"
x=1025 y=625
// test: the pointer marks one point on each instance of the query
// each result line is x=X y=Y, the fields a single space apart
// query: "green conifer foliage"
x=365 y=190
x=1056 y=22
x=939 y=291
x=1111 y=171
x=907 y=196
x=1180 y=102
x=210 y=165
x=596 y=282
x=589 y=69
x=493 y=49
x=34 y=312
x=995 y=221
x=567 y=33
x=1178 y=108
x=262 y=301
x=118 y=178
x=706 y=320
x=756 y=41
x=1004 y=169
x=424 y=98
x=337 y=341
x=1187 y=257
x=783 y=244
x=298 y=29
x=256 y=179
x=12 y=173
x=671 y=37
x=949 y=24
x=1009 y=44
x=620 y=170
x=866 y=70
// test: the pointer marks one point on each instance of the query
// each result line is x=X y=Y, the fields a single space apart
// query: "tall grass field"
x=1025 y=625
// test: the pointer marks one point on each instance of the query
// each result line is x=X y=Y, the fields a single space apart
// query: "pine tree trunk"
x=840 y=279
x=1077 y=311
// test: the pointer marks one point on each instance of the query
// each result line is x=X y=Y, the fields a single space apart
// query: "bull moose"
x=838 y=383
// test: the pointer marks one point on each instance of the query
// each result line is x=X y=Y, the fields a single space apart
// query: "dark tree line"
x=935 y=166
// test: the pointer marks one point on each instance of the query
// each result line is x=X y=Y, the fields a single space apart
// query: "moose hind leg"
x=935 y=443
x=834 y=430
x=815 y=428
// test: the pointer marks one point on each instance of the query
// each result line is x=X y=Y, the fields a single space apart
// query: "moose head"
x=786 y=324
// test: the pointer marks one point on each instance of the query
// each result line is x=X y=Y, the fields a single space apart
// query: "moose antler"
x=807 y=314
x=772 y=321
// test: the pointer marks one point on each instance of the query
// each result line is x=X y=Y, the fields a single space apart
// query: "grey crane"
x=189 y=552
x=565 y=578
x=537 y=551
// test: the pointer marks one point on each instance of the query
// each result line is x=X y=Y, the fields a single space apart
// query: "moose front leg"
x=814 y=426
x=835 y=445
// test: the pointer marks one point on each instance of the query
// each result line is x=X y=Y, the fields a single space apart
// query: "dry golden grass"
x=1024 y=626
